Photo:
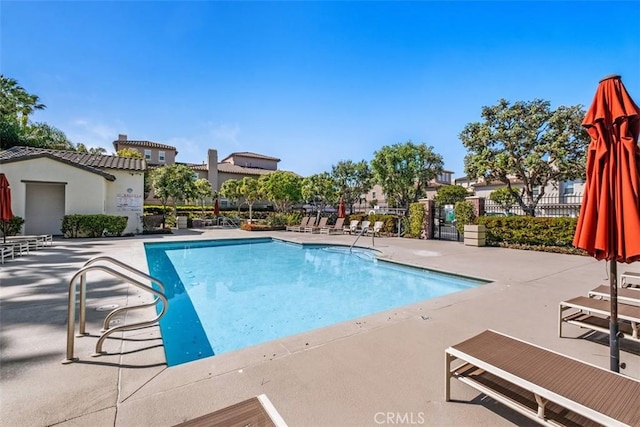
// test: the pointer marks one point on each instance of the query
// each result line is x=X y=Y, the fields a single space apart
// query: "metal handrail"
x=364 y=230
x=81 y=274
x=112 y=314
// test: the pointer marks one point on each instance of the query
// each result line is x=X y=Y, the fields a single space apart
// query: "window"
x=161 y=156
x=147 y=154
x=374 y=194
x=536 y=191
x=567 y=187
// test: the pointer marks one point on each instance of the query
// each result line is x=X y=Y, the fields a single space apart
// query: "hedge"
x=526 y=230
x=97 y=225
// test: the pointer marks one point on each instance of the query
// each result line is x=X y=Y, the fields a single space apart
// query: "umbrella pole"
x=614 y=340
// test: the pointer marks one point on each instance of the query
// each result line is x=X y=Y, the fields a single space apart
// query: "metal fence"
x=553 y=205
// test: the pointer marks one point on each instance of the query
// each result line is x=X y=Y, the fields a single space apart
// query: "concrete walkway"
x=384 y=369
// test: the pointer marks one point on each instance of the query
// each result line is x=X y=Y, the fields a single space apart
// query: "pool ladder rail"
x=101 y=263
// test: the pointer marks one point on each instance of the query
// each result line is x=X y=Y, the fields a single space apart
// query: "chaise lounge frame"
x=543 y=385
x=593 y=313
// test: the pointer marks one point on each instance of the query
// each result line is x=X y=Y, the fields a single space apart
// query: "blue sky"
x=311 y=83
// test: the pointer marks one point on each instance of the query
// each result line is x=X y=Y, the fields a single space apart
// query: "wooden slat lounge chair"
x=257 y=411
x=592 y=313
x=625 y=295
x=545 y=386
x=299 y=227
x=310 y=228
x=334 y=229
x=629 y=275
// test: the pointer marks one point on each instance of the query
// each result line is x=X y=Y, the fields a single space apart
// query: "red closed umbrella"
x=609 y=223
x=216 y=208
x=341 y=211
x=5 y=204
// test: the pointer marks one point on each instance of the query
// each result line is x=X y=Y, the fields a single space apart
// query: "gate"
x=443 y=225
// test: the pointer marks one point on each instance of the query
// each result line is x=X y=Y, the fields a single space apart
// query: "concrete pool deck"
x=383 y=369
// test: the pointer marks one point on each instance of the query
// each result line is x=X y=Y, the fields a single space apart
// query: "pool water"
x=225 y=295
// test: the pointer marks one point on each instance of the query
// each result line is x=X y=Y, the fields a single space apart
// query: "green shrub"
x=526 y=230
x=464 y=214
x=93 y=225
x=13 y=226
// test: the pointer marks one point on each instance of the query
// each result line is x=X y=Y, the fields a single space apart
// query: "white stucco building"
x=48 y=184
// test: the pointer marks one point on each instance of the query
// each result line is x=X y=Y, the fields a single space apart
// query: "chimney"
x=212 y=168
x=122 y=137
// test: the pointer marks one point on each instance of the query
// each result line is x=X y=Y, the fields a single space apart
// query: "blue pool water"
x=229 y=294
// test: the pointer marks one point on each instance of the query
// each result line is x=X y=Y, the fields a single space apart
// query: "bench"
x=543 y=385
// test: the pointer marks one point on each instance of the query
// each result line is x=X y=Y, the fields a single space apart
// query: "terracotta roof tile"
x=96 y=163
x=148 y=144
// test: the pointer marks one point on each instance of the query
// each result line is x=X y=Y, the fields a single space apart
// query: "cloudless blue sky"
x=311 y=83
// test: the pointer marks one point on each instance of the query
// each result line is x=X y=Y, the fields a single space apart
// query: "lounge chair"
x=593 y=313
x=543 y=385
x=299 y=227
x=629 y=275
x=377 y=228
x=6 y=251
x=310 y=228
x=364 y=228
x=337 y=228
x=625 y=295
x=258 y=411
x=353 y=227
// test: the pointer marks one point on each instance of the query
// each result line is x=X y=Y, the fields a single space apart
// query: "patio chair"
x=543 y=385
x=352 y=227
x=299 y=227
x=377 y=228
x=364 y=228
x=257 y=411
x=337 y=228
x=630 y=295
x=316 y=228
x=593 y=314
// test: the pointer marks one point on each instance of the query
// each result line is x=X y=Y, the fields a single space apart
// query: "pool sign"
x=449 y=215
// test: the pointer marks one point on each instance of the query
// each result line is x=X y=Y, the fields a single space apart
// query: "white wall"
x=85 y=192
x=125 y=197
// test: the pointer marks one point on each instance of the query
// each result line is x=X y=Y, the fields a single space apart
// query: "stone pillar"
x=429 y=217
x=478 y=205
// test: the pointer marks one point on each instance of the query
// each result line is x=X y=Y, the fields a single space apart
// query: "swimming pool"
x=229 y=294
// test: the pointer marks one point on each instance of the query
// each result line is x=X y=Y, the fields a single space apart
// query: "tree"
x=202 y=191
x=16 y=105
x=252 y=191
x=353 y=180
x=81 y=148
x=230 y=189
x=405 y=170
x=15 y=102
x=505 y=197
x=129 y=152
x=175 y=182
x=43 y=135
x=283 y=189
x=528 y=141
x=320 y=189
x=450 y=195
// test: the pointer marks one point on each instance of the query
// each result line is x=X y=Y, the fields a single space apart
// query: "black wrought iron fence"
x=549 y=206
